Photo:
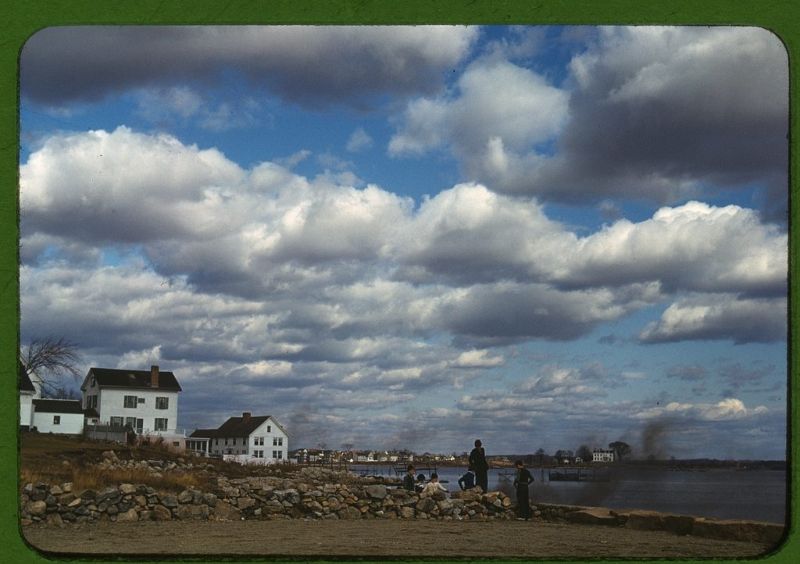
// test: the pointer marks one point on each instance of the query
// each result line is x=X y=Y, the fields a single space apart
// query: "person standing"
x=522 y=481
x=408 y=479
x=477 y=461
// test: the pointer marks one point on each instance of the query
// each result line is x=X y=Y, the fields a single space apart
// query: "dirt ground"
x=382 y=538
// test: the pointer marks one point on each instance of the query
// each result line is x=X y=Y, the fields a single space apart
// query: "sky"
x=413 y=237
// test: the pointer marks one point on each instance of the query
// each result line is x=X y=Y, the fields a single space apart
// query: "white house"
x=146 y=401
x=29 y=390
x=64 y=417
x=602 y=455
x=248 y=439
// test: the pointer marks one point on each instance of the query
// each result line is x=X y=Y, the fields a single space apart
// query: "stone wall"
x=316 y=493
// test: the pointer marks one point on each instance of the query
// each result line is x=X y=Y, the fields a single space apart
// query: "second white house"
x=247 y=439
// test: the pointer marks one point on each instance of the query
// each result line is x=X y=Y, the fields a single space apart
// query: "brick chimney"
x=154 y=376
x=246 y=416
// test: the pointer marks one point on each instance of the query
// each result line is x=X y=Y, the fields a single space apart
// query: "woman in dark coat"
x=477 y=461
x=522 y=481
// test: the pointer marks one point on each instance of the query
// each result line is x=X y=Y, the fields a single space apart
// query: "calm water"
x=758 y=495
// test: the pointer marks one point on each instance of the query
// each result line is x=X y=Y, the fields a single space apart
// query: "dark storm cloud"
x=308 y=65
x=660 y=112
x=507 y=312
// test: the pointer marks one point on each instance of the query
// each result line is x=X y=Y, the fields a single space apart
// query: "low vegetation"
x=57 y=459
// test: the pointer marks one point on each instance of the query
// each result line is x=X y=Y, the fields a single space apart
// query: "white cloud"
x=694 y=246
x=358 y=141
x=478 y=359
x=720 y=317
x=727 y=409
x=524 y=112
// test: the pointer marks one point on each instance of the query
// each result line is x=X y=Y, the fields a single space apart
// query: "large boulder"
x=224 y=511
x=36 y=508
x=128 y=516
x=376 y=491
x=161 y=513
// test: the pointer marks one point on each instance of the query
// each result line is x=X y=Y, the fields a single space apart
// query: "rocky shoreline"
x=321 y=494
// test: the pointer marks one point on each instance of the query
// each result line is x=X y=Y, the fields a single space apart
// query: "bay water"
x=756 y=495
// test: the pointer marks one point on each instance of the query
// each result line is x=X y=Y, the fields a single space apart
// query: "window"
x=56 y=420
x=216 y=441
x=162 y=403
x=280 y=455
x=274 y=441
x=130 y=422
x=161 y=424
x=280 y=441
x=130 y=401
x=176 y=443
x=226 y=442
x=116 y=421
x=274 y=454
x=91 y=402
x=258 y=454
x=140 y=400
x=269 y=428
x=258 y=441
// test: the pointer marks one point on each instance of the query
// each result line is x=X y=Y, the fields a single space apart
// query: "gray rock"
x=128 y=516
x=126 y=489
x=376 y=491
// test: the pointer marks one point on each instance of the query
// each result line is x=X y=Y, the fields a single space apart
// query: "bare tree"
x=51 y=359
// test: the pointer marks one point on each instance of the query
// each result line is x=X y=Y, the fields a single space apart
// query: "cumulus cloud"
x=524 y=112
x=653 y=113
x=727 y=409
x=358 y=141
x=468 y=261
x=478 y=359
x=690 y=247
x=303 y=64
x=718 y=317
x=682 y=107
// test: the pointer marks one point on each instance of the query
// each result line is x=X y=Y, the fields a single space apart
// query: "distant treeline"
x=669 y=463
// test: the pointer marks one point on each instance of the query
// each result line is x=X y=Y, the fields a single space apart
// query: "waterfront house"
x=247 y=439
x=145 y=401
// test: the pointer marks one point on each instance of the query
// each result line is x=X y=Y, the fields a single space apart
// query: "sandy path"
x=380 y=538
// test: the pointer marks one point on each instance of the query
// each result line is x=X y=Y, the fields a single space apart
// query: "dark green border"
x=21 y=19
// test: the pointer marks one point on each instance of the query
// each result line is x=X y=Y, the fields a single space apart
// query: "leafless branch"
x=50 y=359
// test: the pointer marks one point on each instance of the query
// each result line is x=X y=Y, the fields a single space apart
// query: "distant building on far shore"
x=603 y=455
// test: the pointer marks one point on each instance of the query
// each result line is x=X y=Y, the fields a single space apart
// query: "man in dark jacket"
x=522 y=481
x=408 y=479
x=477 y=461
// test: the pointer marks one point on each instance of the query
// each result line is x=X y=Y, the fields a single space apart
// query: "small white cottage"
x=60 y=416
